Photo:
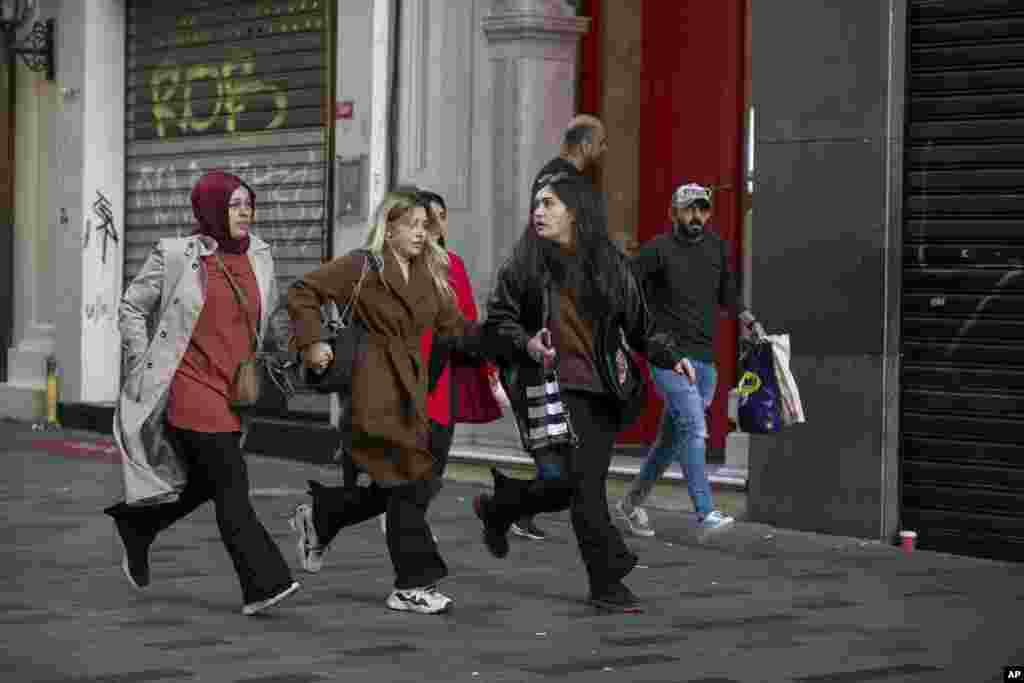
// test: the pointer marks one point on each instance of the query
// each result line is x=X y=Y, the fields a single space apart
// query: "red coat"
x=474 y=399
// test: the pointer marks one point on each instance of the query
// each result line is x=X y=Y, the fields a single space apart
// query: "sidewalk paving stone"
x=754 y=603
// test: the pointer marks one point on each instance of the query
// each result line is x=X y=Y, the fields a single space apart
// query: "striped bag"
x=547 y=421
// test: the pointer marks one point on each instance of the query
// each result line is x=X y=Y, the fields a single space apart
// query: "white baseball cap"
x=687 y=195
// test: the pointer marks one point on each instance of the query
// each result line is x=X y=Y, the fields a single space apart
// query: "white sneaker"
x=427 y=600
x=311 y=555
x=715 y=521
x=252 y=608
x=636 y=520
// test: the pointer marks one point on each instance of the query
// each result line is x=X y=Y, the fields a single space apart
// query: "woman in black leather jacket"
x=566 y=299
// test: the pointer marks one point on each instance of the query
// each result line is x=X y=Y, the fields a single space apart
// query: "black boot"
x=615 y=597
x=514 y=498
x=135 y=543
x=495 y=537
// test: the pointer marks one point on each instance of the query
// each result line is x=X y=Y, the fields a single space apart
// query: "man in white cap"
x=686 y=277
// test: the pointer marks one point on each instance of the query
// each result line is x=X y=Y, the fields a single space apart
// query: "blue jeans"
x=681 y=435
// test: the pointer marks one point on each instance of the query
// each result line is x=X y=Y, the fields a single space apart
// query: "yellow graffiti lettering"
x=235 y=87
x=201 y=72
x=280 y=104
x=161 y=110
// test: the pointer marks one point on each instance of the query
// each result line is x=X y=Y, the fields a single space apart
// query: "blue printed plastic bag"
x=758 y=409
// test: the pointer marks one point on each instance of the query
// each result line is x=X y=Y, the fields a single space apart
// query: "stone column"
x=534 y=46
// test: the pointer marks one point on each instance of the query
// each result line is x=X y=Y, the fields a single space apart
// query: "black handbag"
x=346 y=337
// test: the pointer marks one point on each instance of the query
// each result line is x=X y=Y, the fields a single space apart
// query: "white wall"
x=103 y=126
x=352 y=137
x=88 y=154
x=444 y=125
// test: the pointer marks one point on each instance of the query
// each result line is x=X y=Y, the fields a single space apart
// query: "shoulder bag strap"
x=346 y=315
x=240 y=297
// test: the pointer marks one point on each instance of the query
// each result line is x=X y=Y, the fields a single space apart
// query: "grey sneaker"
x=427 y=600
x=714 y=521
x=636 y=520
x=252 y=608
x=526 y=528
x=311 y=555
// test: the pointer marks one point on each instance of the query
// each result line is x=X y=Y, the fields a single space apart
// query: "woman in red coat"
x=459 y=385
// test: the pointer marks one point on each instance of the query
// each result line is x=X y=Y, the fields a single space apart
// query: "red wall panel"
x=693 y=95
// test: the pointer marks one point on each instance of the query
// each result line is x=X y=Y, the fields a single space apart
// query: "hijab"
x=210 y=198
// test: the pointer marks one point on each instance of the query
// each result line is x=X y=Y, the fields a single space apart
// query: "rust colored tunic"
x=390 y=433
x=199 y=398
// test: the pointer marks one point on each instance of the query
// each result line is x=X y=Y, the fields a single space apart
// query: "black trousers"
x=581 y=488
x=217 y=472
x=411 y=545
x=414 y=554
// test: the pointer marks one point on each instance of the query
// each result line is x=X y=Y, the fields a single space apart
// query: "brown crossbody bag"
x=252 y=375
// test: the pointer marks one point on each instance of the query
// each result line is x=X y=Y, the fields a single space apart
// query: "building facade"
x=885 y=186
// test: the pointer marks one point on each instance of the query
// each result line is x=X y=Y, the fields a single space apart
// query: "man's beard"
x=693 y=230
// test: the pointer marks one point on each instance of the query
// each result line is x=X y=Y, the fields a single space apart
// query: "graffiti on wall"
x=172 y=89
x=106 y=229
x=100 y=308
x=283 y=192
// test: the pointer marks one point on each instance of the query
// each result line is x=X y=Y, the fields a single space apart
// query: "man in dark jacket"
x=687 y=277
x=583 y=145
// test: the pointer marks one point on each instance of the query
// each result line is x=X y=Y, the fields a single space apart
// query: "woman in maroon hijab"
x=211 y=292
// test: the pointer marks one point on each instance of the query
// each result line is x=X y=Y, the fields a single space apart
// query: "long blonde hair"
x=395 y=205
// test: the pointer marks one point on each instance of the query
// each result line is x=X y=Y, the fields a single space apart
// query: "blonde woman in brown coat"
x=406 y=295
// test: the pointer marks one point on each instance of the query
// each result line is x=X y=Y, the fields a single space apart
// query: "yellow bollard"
x=52 y=392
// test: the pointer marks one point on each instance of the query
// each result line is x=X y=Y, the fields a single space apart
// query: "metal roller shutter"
x=962 y=379
x=238 y=85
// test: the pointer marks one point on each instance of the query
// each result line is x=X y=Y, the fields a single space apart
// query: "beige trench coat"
x=167 y=294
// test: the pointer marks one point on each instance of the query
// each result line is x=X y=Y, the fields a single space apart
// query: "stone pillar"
x=32 y=330
x=534 y=45
x=88 y=197
x=33 y=333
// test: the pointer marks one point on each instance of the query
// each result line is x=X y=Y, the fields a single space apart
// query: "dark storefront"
x=240 y=86
x=962 y=421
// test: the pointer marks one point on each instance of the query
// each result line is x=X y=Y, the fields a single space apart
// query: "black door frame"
x=7 y=117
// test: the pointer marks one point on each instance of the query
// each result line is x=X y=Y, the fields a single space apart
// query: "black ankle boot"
x=616 y=597
x=495 y=535
x=135 y=562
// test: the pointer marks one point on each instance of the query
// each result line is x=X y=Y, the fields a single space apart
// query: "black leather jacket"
x=518 y=308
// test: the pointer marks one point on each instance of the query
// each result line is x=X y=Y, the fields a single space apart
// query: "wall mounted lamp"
x=36 y=48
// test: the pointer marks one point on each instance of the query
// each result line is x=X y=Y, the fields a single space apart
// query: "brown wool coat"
x=390 y=433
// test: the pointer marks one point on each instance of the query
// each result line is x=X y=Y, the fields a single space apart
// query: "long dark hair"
x=593 y=269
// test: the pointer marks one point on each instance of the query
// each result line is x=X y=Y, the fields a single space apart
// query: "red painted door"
x=691 y=130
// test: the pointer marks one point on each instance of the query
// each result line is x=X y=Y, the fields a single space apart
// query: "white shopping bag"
x=791 y=408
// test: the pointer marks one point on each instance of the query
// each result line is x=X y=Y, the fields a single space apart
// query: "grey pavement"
x=753 y=603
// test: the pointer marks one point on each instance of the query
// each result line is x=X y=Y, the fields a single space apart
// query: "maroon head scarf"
x=210 y=199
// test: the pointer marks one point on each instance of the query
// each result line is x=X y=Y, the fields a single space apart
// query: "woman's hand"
x=318 y=356
x=540 y=349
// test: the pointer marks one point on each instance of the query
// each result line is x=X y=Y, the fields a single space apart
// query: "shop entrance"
x=671 y=82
